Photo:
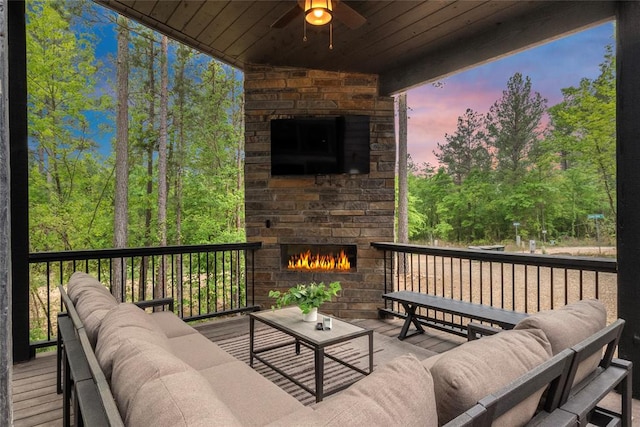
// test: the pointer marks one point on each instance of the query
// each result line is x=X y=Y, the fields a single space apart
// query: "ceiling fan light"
x=318 y=12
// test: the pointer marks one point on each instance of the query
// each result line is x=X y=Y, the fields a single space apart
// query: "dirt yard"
x=526 y=288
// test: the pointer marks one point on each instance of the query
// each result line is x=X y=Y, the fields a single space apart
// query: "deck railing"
x=514 y=281
x=203 y=280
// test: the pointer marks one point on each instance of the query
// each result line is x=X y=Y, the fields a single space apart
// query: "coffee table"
x=289 y=321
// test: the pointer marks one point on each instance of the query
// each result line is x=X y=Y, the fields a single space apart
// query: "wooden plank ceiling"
x=406 y=43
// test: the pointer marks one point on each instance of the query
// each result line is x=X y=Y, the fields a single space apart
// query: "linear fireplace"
x=318 y=257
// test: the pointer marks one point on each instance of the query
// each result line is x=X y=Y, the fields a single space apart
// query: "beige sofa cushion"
x=569 y=325
x=80 y=283
x=136 y=363
x=252 y=398
x=399 y=393
x=171 y=325
x=180 y=399
x=92 y=301
x=92 y=307
x=478 y=368
x=125 y=321
x=198 y=352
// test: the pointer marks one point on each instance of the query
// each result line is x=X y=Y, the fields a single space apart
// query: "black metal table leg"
x=371 y=352
x=251 y=337
x=319 y=362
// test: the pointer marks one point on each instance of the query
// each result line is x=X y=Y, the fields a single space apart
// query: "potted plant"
x=307 y=297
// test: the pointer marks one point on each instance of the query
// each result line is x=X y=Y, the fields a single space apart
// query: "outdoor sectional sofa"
x=122 y=365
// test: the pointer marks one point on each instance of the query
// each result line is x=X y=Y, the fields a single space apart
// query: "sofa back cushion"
x=397 y=393
x=125 y=321
x=92 y=301
x=569 y=325
x=92 y=308
x=80 y=283
x=478 y=368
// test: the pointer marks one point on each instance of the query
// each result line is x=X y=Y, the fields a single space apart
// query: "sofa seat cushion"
x=252 y=398
x=478 y=368
x=198 y=352
x=568 y=326
x=125 y=321
x=171 y=325
x=398 y=393
x=180 y=399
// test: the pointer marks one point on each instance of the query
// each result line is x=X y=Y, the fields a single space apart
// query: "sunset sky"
x=434 y=111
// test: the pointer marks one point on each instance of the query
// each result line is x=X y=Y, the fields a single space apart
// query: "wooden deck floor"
x=35 y=402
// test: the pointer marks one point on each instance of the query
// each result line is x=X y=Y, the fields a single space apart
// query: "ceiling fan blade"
x=287 y=17
x=347 y=15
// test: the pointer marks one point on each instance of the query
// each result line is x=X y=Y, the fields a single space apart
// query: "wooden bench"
x=411 y=301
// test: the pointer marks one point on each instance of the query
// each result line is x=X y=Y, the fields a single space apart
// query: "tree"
x=66 y=179
x=162 y=164
x=466 y=149
x=513 y=127
x=121 y=204
x=585 y=128
x=72 y=186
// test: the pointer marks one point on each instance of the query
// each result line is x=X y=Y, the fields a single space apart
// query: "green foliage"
x=71 y=105
x=585 y=130
x=513 y=127
x=546 y=180
x=465 y=150
x=306 y=296
x=66 y=179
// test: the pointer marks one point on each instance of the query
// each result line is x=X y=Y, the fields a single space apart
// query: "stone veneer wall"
x=323 y=209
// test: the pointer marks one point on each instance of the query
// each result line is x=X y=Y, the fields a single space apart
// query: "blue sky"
x=434 y=111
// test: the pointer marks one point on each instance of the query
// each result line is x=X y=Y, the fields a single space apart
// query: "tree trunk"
x=150 y=150
x=121 y=215
x=162 y=165
x=179 y=124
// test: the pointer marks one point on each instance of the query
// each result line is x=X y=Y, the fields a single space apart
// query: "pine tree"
x=466 y=149
x=514 y=127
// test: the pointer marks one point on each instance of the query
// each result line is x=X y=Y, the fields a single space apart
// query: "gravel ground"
x=528 y=289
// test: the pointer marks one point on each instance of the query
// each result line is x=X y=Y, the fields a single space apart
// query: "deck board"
x=35 y=402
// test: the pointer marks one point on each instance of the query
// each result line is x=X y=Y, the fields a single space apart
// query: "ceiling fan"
x=341 y=11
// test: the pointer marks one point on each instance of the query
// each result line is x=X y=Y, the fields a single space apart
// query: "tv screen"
x=320 y=145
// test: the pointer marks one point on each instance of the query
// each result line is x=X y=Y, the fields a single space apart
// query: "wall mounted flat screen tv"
x=320 y=145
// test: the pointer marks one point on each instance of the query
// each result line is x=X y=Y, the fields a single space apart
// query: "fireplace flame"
x=307 y=261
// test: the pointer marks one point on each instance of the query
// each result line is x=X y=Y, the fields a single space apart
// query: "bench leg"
x=411 y=313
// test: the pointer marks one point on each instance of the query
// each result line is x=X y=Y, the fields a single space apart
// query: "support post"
x=19 y=163
x=628 y=182
x=6 y=359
